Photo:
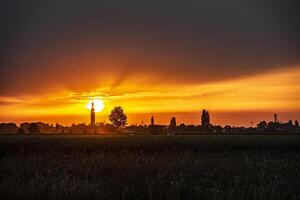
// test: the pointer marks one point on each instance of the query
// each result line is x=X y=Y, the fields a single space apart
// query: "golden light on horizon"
x=274 y=91
x=98 y=105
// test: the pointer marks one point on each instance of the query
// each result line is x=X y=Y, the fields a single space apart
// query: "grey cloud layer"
x=186 y=41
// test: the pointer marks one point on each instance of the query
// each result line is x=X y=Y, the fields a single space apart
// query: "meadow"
x=150 y=167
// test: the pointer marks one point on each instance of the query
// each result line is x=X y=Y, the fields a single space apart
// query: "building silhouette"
x=92 y=115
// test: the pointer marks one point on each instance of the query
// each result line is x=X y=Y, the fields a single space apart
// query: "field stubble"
x=149 y=167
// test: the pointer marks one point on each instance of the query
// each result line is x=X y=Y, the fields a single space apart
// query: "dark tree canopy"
x=262 y=125
x=276 y=118
x=118 y=117
x=152 y=121
x=205 y=119
x=173 y=122
x=34 y=128
x=297 y=124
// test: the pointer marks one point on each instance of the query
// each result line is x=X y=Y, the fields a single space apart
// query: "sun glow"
x=98 y=105
x=275 y=91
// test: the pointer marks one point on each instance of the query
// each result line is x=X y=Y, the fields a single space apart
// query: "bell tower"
x=92 y=115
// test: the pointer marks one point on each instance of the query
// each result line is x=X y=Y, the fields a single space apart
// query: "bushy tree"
x=10 y=128
x=262 y=125
x=173 y=122
x=118 y=117
x=205 y=119
x=34 y=128
x=172 y=126
x=296 y=123
x=276 y=118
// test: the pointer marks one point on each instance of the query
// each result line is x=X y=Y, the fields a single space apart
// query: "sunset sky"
x=238 y=59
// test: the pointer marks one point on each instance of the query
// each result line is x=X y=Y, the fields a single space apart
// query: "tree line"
x=119 y=123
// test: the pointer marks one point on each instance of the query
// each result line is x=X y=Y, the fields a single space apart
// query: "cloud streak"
x=81 y=46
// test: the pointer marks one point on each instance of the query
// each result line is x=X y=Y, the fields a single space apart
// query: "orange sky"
x=234 y=101
x=163 y=58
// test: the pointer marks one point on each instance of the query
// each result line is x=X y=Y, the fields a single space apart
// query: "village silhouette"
x=119 y=125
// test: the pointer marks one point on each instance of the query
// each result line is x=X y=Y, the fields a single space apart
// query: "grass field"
x=150 y=167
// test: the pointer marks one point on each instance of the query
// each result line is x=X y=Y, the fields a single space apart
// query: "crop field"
x=150 y=167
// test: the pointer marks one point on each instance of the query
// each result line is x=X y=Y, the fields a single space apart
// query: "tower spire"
x=92 y=115
x=93 y=106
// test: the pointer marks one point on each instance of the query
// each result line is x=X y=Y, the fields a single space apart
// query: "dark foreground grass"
x=150 y=167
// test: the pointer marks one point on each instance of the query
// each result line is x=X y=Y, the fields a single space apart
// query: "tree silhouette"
x=173 y=122
x=118 y=117
x=276 y=118
x=262 y=125
x=34 y=128
x=172 y=126
x=296 y=124
x=152 y=121
x=205 y=119
x=152 y=127
x=8 y=128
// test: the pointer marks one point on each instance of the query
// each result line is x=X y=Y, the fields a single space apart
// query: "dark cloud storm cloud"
x=45 y=43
